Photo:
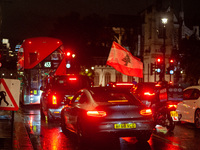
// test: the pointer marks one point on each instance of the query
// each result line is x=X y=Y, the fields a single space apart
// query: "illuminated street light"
x=164 y=21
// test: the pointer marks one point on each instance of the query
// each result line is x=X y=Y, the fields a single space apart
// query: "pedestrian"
x=3 y=97
x=134 y=82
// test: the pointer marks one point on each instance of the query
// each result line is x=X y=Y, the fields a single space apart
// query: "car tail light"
x=96 y=113
x=124 y=84
x=149 y=94
x=73 y=79
x=146 y=112
x=54 y=100
x=172 y=106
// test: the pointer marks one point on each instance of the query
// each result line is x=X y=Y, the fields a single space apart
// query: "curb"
x=21 y=139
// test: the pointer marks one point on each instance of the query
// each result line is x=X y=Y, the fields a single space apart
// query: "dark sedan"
x=103 y=111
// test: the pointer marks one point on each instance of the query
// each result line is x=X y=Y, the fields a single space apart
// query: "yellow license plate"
x=125 y=126
x=174 y=113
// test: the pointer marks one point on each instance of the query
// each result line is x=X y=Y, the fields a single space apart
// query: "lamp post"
x=164 y=21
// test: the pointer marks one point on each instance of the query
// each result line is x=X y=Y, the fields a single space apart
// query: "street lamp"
x=164 y=22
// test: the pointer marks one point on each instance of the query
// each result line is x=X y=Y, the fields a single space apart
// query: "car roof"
x=106 y=89
x=193 y=87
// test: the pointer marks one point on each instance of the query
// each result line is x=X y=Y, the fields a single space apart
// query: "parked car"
x=189 y=108
x=105 y=111
x=58 y=91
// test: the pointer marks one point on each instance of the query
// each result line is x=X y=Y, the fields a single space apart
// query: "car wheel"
x=170 y=125
x=197 y=118
x=81 y=139
x=63 y=125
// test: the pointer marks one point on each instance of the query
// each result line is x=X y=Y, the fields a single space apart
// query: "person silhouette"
x=3 y=97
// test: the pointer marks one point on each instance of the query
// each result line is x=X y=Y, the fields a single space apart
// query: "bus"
x=38 y=58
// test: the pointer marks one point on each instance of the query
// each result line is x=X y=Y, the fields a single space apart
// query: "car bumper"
x=103 y=128
x=55 y=112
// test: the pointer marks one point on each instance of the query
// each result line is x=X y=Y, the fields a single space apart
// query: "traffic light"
x=170 y=69
x=159 y=65
x=153 y=66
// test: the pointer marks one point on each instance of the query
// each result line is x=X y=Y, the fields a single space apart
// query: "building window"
x=130 y=79
x=107 y=78
x=96 y=79
x=118 y=77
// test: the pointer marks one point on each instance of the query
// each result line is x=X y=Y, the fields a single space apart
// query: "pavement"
x=15 y=138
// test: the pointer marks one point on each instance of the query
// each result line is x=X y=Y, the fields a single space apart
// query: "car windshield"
x=114 y=97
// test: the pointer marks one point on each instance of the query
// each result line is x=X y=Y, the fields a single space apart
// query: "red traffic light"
x=171 y=61
x=68 y=54
x=158 y=60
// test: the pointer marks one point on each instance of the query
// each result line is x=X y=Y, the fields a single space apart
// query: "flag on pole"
x=123 y=61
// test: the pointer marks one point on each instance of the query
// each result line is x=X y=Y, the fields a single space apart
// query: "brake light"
x=149 y=94
x=124 y=84
x=54 y=100
x=72 y=79
x=96 y=113
x=146 y=112
x=172 y=106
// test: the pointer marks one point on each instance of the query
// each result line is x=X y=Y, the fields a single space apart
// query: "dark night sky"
x=36 y=17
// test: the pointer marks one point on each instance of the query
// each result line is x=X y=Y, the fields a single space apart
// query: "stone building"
x=156 y=41
x=150 y=42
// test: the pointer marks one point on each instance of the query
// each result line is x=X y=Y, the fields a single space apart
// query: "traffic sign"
x=9 y=94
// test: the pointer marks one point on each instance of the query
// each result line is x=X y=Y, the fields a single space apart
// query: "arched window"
x=107 y=77
x=96 y=79
x=118 y=77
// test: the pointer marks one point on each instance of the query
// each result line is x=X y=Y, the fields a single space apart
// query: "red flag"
x=123 y=61
x=61 y=68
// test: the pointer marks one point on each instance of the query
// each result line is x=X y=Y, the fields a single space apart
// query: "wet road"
x=49 y=136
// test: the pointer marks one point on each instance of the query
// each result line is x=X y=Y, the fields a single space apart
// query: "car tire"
x=197 y=119
x=63 y=125
x=171 y=125
x=81 y=139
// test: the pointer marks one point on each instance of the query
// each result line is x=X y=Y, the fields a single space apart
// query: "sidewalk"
x=21 y=140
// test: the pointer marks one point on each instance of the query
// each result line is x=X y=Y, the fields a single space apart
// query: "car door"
x=191 y=105
x=75 y=109
x=182 y=107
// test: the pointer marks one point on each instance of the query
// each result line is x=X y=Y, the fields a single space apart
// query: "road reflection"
x=49 y=136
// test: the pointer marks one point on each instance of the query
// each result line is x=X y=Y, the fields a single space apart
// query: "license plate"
x=174 y=115
x=125 y=126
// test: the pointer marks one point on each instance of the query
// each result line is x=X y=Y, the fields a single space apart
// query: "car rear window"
x=70 y=83
x=114 y=97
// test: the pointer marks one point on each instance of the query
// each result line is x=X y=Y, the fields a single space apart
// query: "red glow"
x=171 y=61
x=158 y=60
x=172 y=106
x=29 y=42
x=54 y=100
x=58 y=42
x=149 y=94
x=73 y=79
x=124 y=83
x=146 y=112
x=68 y=53
x=96 y=113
